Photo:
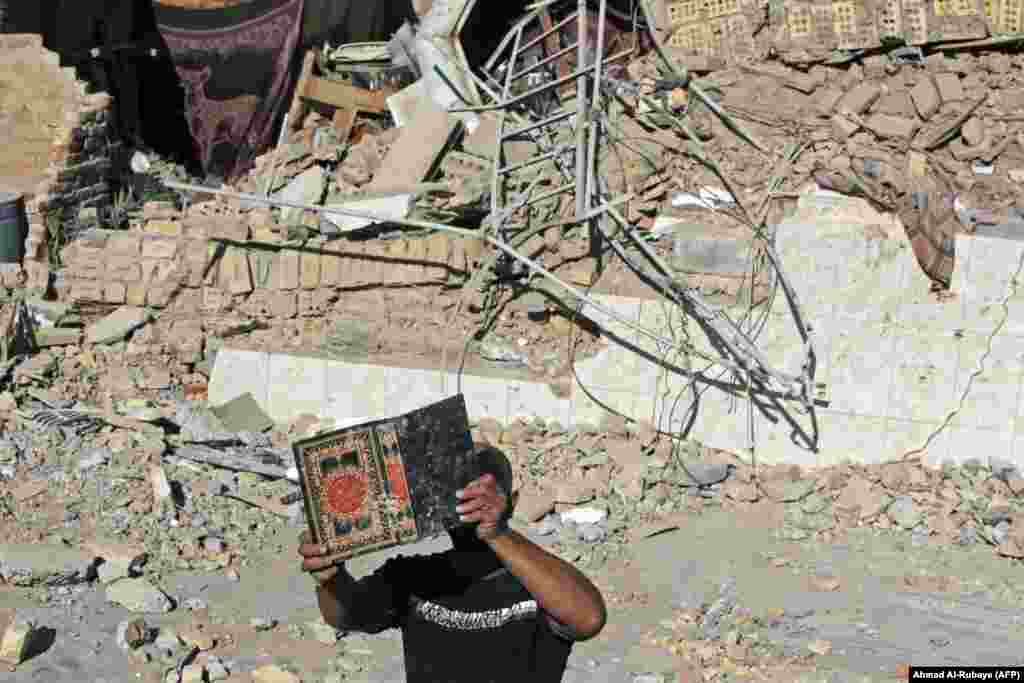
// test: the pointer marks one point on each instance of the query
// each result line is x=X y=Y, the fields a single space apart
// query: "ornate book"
x=386 y=482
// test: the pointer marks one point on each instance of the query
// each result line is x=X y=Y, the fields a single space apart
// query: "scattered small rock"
x=132 y=634
x=139 y=595
x=273 y=674
x=262 y=623
x=215 y=669
x=322 y=633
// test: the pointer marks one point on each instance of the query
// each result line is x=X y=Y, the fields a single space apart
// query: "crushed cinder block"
x=243 y=414
x=116 y=326
x=694 y=251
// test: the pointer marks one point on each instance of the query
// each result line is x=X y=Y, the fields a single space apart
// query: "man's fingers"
x=478 y=486
x=311 y=550
x=471 y=505
x=315 y=564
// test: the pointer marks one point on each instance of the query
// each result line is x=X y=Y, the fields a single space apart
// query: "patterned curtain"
x=235 y=65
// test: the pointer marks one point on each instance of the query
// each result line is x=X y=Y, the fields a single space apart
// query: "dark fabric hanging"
x=235 y=66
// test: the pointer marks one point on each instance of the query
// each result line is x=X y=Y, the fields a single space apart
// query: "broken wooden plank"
x=209 y=456
x=344 y=96
x=415 y=153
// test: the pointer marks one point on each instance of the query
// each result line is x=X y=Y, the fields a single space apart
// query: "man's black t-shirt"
x=458 y=628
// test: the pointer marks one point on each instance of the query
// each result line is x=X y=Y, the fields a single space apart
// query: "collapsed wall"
x=57 y=152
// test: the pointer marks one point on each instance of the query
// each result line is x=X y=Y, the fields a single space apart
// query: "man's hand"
x=315 y=560
x=486 y=504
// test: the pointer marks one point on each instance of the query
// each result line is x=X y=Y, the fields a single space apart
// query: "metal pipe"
x=525 y=96
x=581 y=108
x=594 y=125
x=546 y=60
x=554 y=29
x=540 y=124
x=529 y=162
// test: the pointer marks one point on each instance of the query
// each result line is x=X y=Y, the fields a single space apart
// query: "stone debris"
x=107 y=418
x=273 y=674
x=45 y=564
x=133 y=633
x=14 y=646
x=116 y=326
x=139 y=595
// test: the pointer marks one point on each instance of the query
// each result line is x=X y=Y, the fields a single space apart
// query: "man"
x=495 y=608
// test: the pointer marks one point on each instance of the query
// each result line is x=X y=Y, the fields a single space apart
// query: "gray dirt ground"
x=874 y=624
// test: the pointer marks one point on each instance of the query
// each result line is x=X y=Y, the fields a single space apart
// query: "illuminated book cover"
x=387 y=482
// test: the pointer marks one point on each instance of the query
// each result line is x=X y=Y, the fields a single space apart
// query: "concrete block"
x=330 y=269
x=159 y=295
x=342 y=404
x=196 y=260
x=123 y=243
x=694 y=251
x=949 y=86
x=924 y=377
x=409 y=160
x=235 y=271
x=167 y=228
x=438 y=247
x=227 y=228
x=843 y=127
x=87 y=290
x=123 y=268
x=531 y=400
x=407 y=389
x=892 y=127
x=310 y=270
x=237 y=372
x=114 y=293
x=485 y=396
x=286 y=270
x=284 y=304
x=157 y=246
x=926 y=98
x=116 y=326
x=860 y=99
x=158 y=271
x=295 y=385
x=215 y=300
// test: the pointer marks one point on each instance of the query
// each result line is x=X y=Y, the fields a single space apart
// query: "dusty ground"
x=967 y=610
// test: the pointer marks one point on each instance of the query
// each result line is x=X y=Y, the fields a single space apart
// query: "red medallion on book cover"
x=345 y=492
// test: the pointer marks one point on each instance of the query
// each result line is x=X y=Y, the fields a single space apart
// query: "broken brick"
x=860 y=99
x=843 y=127
x=950 y=89
x=892 y=127
x=926 y=98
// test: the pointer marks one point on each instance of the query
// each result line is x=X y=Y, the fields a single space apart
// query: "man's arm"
x=559 y=588
x=370 y=604
x=336 y=599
